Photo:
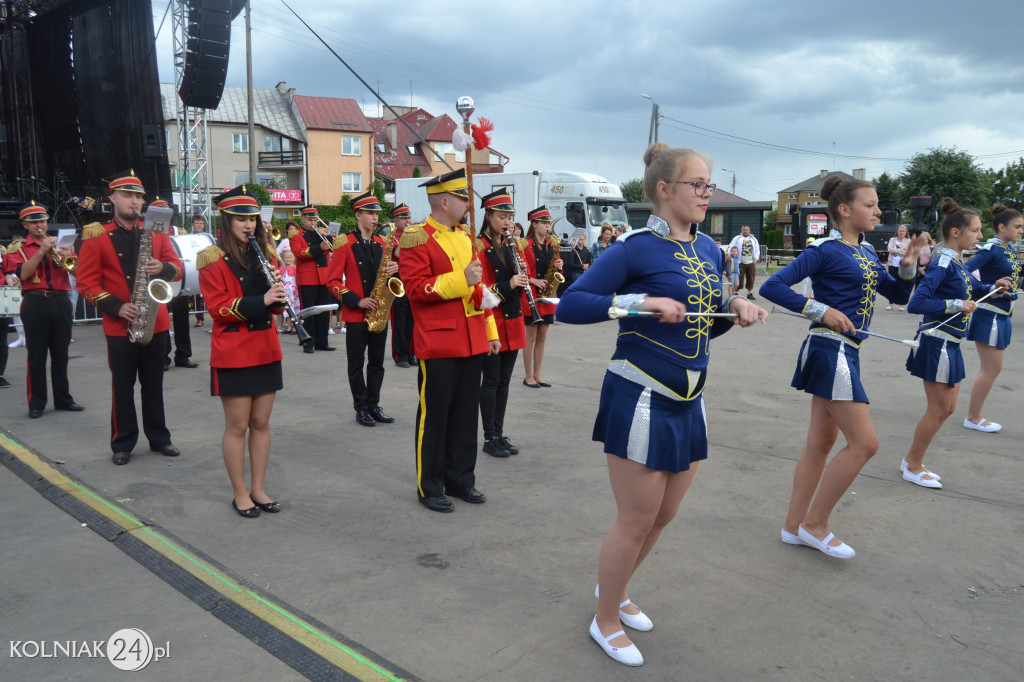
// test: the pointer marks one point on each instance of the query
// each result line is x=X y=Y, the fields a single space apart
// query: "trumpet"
x=69 y=263
x=327 y=241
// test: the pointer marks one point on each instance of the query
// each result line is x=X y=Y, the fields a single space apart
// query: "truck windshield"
x=602 y=212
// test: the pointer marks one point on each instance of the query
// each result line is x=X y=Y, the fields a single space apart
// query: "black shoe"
x=71 y=407
x=269 y=507
x=4 y=383
x=185 y=363
x=364 y=418
x=379 y=416
x=167 y=364
x=326 y=348
x=120 y=458
x=403 y=363
x=527 y=383
x=751 y=297
x=413 y=360
x=544 y=384
x=250 y=513
x=307 y=348
x=471 y=495
x=167 y=450
x=35 y=414
x=439 y=503
x=512 y=449
x=494 y=446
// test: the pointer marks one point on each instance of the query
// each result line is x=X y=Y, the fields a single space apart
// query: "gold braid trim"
x=209 y=255
x=480 y=244
x=233 y=310
x=292 y=231
x=97 y=298
x=340 y=241
x=92 y=230
x=522 y=243
x=414 y=235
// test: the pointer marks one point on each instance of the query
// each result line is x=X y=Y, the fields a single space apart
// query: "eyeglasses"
x=700 y=188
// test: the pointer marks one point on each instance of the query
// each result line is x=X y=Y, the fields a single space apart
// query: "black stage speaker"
x=206 y=55
x=152 y=141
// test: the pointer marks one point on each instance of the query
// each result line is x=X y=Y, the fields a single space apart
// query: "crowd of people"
x=463 y=304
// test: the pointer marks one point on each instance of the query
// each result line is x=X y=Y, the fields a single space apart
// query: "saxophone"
x=147 y=295
x=553 y=276
x=385 y=289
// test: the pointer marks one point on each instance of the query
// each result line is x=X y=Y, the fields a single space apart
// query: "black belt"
x=47 y=293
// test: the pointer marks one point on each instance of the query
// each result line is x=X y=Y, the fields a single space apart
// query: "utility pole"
x=652 y=138
x=726 y=170
x=248 y=74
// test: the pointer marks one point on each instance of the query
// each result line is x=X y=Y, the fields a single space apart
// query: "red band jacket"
x=353 y=272
x=498 y=272
x=312 y=256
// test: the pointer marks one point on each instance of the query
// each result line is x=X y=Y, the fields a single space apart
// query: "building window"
x=812 y=194
x=381 y=148
x=167 y=138
x=442 y=149
x=268 y=180
x=793 y=196
x=790 y=205
x=352 y=182
x=276 y=143
x=351 y=146
x=412 y=150
x=240 y=143
x=717 y=222
x=813 y=203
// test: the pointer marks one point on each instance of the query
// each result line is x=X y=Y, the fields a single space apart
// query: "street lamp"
x=653 y=136
x=726 y=170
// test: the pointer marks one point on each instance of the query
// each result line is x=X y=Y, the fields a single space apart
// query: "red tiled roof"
x=332 y=113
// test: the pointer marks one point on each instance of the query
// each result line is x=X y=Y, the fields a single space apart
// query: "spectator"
x=750 y=255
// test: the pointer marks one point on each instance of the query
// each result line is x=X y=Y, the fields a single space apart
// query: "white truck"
x=579 y=200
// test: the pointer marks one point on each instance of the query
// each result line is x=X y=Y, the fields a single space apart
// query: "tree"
x=942 y=172
x=1007 y=186
x=633 y=190
x=888 y=189
x=260 y=192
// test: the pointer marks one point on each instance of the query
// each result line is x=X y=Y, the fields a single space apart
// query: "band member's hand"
x=65 y=252
x=128 y=311
x=392 y=268
x=519 y=281
x=539 y=283
x=558 y=263
x=747 y=313
x=154 y=267
x=368 y=303
x=914 y=250
x=585 y=266
x=671 y=310
x=970 y=306
x=1004 y=283
x=275 y=294
x=493 y=347
x=474 y=273
x=48 y=243
x=837 y=321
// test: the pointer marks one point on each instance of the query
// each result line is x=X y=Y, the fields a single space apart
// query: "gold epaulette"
x=292 y=231
x=468 y=229
x=414 y=235
x=92 y=230
x=480 y=244
x=522 y=243
x=209 y=255
x=340 y=241
x=3 y=251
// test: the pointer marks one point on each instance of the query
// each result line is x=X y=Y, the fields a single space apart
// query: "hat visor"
x=35 y=216
x=241 y=210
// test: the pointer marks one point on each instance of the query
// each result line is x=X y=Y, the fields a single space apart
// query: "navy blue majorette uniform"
x=946 y=285
x=845 y=277
x=990 y=323
x=652 y=407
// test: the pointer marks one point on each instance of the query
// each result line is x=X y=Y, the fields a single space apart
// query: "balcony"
x=280 y=159
x=488 y=168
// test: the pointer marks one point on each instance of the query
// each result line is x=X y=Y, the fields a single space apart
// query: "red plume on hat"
x=481 y=139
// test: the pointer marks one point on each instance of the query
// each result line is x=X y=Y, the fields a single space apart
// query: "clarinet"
x=304 y=337
x=521 y=270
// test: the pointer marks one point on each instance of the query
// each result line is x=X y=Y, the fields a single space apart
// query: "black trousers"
x=5 y=326
x=497 y=373
x=401 y=329
x=178 y=308
x=316 y=325
x=128 y=360
x=47 y=321
x=360 y=342
x=446 y=424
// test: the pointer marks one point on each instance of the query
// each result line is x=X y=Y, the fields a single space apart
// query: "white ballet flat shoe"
x=903 y=467
x=636 y=621
x=991 y=427
x=629 y=655
x=842 y=551
x=919 y=479
x=789 y=538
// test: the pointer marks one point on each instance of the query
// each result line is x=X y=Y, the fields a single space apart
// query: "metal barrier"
x=85 y=313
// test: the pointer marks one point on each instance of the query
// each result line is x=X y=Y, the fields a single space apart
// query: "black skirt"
x=225 y=381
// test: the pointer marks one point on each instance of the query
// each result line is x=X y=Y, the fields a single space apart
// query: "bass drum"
x=10 y=303
x=188 y=247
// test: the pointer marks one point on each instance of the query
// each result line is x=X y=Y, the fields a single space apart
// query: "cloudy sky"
x=773 y=91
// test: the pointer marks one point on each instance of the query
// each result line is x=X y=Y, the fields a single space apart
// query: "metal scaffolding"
x=20 y=138
x=194 y=168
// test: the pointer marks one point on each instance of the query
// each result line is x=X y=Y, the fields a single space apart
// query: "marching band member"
x=245 y=354
x=45 y=311
x=7 y=278
x=990 y=323
x=312 y=256
x=845 y=276
x=651 y=416
x=947 y=289
x=451 y=334
x=539 y=253
x=106 y=278
x=178 y=310
x=350 y=278
x=501 y=276
x=401 y=315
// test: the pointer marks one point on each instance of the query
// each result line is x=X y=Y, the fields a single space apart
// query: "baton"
x=933 y=330
x=615 y=313
x=906 y=342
